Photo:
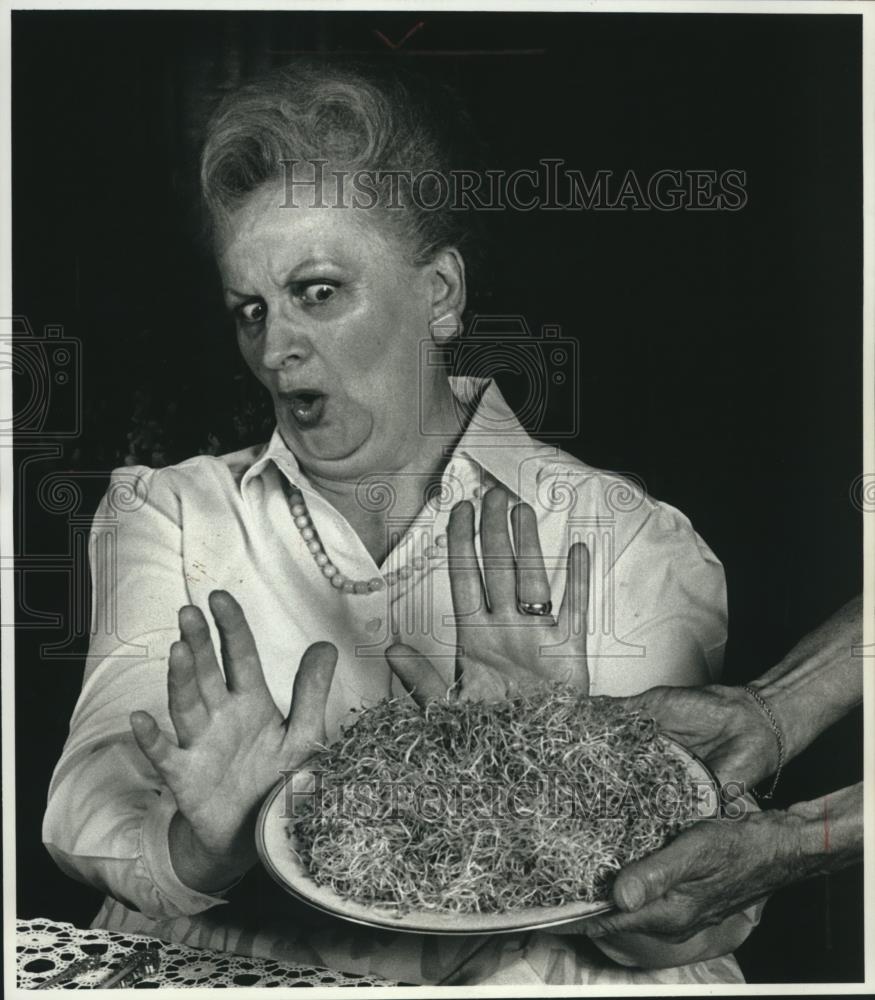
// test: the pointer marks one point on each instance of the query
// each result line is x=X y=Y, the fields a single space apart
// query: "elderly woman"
x=336 y=530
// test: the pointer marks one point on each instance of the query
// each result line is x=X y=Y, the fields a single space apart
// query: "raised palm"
x=232 y=743
x=500 y=649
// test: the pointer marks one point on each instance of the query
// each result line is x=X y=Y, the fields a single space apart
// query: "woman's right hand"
x=232 y=743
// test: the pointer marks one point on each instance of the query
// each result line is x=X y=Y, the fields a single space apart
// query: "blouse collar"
x=494 y=440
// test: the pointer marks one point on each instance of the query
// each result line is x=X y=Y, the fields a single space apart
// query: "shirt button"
x=374 y=624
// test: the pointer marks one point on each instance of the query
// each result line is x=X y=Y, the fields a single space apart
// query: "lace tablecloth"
x=44 y=947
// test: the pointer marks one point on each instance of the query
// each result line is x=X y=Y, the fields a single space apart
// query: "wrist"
x=811 y=838
x=772 y=740
x=787 y=832
x=755 y=753
x=830 y=830
x=207 y=868
x=780 y=701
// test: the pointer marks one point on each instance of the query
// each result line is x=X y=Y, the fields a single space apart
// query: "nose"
x=284 y=343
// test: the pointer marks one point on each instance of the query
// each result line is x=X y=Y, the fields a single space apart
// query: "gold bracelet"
x=779 y=737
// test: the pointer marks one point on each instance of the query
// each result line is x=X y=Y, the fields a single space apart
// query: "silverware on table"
x=144 y=963
x=73 y=970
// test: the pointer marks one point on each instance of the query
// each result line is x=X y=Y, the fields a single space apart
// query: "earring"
x=445 y=328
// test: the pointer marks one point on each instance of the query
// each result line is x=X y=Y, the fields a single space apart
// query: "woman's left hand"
x=500 y=648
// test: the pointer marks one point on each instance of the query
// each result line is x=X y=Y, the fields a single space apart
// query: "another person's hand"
x=719 y=867
x=716 y=868
x=502 y=650
x=231 y=740
x=707 y=873
x=722 y=725
x=815 y=684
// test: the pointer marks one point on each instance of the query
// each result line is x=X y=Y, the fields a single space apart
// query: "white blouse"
x=168 y=537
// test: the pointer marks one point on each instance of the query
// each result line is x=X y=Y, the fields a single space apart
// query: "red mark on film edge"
x=826 y=823
x=397 y=45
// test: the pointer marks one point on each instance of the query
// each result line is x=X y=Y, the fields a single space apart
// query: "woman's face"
x=330 y=318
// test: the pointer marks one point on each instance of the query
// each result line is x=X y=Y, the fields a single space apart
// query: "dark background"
x=720 y=352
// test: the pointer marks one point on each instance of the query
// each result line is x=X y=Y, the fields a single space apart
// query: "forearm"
x=818 y=681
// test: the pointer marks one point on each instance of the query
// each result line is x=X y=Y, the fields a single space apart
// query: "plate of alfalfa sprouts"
x=475 y=817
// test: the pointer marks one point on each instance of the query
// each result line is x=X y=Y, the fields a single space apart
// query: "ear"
x=448 y=284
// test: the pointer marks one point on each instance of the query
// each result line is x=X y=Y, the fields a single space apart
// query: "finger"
x=239 y=654
x=660 y=919
x=305 y=724
x=575 y=601
x=499 y=565
x=532 y=585
x=195 y=631
x=606 y=925
x=466 y=585
x=154 y=744
x=416 y=673
x=649 y=879
x=187 y=710
x=645 y=701
x=673 y=711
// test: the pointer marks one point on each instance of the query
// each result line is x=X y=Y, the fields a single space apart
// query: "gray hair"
x=356 y=117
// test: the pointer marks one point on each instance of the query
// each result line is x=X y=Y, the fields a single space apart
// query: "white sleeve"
x=664 y=617
x=108 y=813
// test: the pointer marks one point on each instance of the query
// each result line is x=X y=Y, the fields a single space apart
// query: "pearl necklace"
x=304 y=524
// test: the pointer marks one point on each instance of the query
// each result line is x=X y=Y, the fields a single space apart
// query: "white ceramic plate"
x=276 y=846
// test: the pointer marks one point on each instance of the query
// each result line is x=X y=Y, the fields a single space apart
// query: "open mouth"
x=307 y=406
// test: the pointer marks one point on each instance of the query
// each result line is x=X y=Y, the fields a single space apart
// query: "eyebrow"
x=309 y=263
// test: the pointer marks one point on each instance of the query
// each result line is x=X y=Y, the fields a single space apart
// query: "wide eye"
x=317 y=292
x=252 y=312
